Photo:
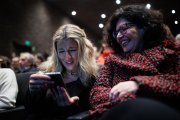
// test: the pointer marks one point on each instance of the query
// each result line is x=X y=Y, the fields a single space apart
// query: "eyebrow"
x=68 y=48
x=125 y=24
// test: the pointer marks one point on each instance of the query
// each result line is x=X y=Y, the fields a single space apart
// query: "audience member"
x=8 y=89
x=15 y=64
x=177 y=37
x=72 y=56
x=144 y=64
x=177 y=41
x=169 y=34
x=26 y=62
x=5 y=62
x=105 y=51
x=38 y=59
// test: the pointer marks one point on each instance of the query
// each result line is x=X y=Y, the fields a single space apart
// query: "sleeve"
x=167 y=85
x=8 y=88
x=99 y=95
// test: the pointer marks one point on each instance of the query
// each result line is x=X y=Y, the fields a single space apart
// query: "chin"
x=128 y=49
x=125 y=50
x=69 y=69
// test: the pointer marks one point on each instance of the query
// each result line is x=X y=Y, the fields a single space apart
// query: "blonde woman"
x=72 y=56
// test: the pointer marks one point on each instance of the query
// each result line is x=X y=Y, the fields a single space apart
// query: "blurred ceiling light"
x=73 y=13
x=173 y=11
x=103 y=16
x=148 y=6
x=176 y=22
x=101 y=25
x=118 y=2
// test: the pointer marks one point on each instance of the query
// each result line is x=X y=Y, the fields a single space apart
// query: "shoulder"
x=112 y=57
x=7 y=75
x=117 y=59
x=6 y=71
x=89 y=81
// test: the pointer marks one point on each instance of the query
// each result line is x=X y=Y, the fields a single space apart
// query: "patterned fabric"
x=156 y=69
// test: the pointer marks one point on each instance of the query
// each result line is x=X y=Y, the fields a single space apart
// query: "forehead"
x=15 y=60
x=121 y=21
x=67 y=42
x=23 y=56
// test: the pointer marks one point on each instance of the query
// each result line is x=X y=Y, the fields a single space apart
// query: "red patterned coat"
x=156 y=71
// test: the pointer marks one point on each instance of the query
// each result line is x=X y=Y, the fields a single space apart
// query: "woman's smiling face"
x=128 y=35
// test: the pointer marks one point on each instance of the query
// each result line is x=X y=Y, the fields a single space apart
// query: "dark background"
x=35 y=21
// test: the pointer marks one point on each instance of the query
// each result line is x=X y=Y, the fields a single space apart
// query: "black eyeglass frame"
x=123 y=29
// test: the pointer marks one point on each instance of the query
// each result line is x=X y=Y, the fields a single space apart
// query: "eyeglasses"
x=123 y=29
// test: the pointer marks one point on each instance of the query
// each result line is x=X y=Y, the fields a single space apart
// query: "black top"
x=37 y=104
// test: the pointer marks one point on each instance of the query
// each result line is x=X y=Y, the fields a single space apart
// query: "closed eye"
x=73 y=50
x=61 y=51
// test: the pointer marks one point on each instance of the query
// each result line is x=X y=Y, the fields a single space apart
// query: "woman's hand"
x=122 y=89
x=39 y=81
x=61 y=96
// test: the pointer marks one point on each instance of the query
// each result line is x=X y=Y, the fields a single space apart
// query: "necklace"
x=71 y=73
x=70 y=76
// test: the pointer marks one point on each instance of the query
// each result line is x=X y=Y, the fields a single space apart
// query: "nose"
x=67 y=55
x=20 y=61
x=119 y=35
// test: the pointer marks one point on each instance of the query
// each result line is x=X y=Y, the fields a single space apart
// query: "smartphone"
x=57 y=78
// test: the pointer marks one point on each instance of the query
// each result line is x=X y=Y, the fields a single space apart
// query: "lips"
x=68 y=62
x=124 y=42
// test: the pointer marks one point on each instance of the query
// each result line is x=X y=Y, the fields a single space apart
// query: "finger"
x=111 y=93
x=114 y=95
x=111 y=96
x=59 y=97
x=34 y=88
x=74 y=100
x=122 y=94
x=115 y=89
x=66 y=95
x=35 y=82
x=69 y=100
x=43 y=83
x=40 y=76
x=62 y=96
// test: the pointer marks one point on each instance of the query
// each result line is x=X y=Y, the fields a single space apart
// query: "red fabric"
x=102 y=56
x=156 y=68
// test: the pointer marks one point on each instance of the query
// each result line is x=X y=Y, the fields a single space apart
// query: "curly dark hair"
x=150 y=20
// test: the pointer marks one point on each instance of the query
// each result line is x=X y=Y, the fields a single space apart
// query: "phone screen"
x=57 y=78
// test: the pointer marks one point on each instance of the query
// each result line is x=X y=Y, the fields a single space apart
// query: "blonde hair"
x=87 y=61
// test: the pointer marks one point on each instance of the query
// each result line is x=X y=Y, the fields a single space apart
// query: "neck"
x=70 y=76
x=72 y=73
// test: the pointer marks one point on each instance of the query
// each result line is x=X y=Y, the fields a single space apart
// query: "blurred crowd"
x=25 y=62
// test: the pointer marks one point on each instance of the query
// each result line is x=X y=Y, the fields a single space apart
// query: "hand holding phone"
x=59 y=92
x=57 y=78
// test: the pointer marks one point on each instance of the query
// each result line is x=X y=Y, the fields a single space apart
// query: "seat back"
x=19 y=112
x=23 y=83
